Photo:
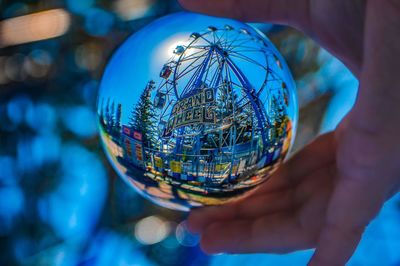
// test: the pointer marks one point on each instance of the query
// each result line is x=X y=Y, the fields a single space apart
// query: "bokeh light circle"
x=195 y=110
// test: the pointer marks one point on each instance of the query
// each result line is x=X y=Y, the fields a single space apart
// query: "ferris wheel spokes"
x=213 y=60
x=191 y=65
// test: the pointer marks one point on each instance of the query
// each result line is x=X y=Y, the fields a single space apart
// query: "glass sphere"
x=196 y=110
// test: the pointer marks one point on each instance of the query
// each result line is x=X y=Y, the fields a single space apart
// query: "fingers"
x=247 y=208
x=291 y=12
x=359 y=194
x=277 y=194
x=278 y=233
x=366 y=154
x=317 y=155
x=353 y=205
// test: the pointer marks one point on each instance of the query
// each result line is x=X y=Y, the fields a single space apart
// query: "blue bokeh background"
x=60 y=201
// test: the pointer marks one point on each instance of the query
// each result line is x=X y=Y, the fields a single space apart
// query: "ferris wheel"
x=241 y=76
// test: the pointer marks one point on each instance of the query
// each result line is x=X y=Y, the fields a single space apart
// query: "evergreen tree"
x=101 y=115
x=279 y=117
x=107 y=115
x=227 y=107
x=111 y=118
x=143 y=119
x=117 y=121
x=227 y=100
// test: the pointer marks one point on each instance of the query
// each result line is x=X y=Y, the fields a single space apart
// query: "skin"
x=324 y=196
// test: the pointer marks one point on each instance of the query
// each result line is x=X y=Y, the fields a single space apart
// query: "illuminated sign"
x=195 y=109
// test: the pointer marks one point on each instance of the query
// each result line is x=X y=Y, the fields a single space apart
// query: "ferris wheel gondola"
x=218 y=60
x=195 y=110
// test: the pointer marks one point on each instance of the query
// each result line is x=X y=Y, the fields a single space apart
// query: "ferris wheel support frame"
x=197 y=83
x=215 y=56
x=248 y=87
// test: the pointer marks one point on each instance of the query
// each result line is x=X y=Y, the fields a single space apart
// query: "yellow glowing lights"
x=34 y=27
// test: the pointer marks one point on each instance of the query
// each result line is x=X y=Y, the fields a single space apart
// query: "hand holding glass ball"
x=195 y=110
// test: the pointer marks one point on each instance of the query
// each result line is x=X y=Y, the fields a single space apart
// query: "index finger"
x=319 y=154
x=276 y=193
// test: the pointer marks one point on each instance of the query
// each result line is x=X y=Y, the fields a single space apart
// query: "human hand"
x=327 y=194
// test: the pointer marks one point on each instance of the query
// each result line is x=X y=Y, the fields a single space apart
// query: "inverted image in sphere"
x=195 y=110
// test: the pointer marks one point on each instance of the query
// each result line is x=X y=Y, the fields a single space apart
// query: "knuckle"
x=367 y=153
x=361 y=155
x=364 y=129
x=346 y=232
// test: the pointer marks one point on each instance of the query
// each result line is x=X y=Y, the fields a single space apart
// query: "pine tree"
x=111 y=118
x=227 y=100
x=227 y=107
x=143 y=119
x=117 y=121
x=107 y=115
x=101 y=112
x=279 y=117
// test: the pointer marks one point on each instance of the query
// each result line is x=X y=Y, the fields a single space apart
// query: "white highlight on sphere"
x=196 y=110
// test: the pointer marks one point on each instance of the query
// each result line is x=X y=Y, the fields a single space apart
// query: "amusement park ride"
x=209 y=113
x=215 y=121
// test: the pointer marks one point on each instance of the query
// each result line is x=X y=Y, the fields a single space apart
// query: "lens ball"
x=195 y=110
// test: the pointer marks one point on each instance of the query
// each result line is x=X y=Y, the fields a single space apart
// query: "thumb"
x=353 y=205
x=367 y=151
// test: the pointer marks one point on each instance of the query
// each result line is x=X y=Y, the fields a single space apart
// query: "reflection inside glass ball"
x=195 y=110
